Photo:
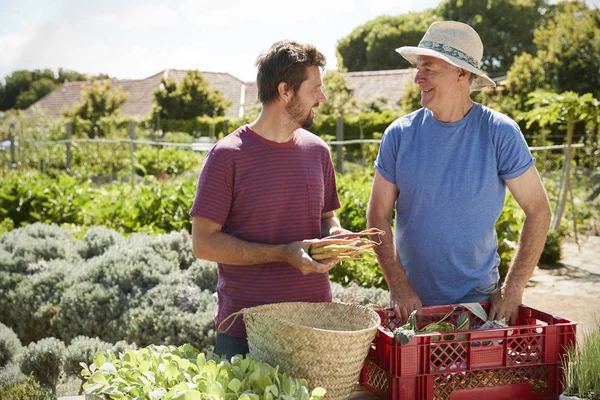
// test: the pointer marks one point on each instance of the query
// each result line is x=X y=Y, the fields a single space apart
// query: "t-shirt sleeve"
x=331 y=201
x=215 y=190
x=388 y=151
x=513 y=154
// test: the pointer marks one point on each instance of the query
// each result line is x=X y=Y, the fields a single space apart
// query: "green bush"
x=10 y=345
x=44 y=359
x=97 y=240
x=28 y=389
x=552 y=252
x=171 y=161
x=83 y=349
x=178 y=137
x=10 y=374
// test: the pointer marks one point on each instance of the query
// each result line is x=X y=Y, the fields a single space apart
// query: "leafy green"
x=183 y=373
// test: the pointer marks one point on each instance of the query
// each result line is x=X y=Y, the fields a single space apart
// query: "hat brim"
x=410 y=53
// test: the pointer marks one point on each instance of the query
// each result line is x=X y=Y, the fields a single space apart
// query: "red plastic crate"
x=520 y=362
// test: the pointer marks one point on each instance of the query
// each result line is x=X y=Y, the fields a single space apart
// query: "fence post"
x=132 y=135
x=68 y=135
x=225 y=127
x=132 y=148
x=11 y=138
x=339 y=148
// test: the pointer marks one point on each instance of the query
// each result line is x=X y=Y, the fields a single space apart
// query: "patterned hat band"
x=450 y=51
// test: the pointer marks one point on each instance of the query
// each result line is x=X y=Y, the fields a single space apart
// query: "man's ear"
x=285 y=92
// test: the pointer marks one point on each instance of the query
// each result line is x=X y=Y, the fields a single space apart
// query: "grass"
x=583 y=366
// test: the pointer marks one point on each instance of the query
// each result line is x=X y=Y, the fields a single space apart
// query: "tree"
x=191 y=98
x=36 y=91
x=506 y=27
x=23 y=87
x=97 y=100
x=340 y=96
x=372 y=46
x=567 y=108
x=569 y=49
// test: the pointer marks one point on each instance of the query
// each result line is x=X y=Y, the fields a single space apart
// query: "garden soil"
x=570 y=289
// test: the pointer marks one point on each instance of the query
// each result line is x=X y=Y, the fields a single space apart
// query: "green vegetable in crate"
x=406 y=332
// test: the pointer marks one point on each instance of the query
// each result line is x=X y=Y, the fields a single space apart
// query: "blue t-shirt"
x=450 y=178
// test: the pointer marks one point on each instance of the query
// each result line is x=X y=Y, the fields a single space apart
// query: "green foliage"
x=178 y=137
x=552 y=252
x=28 y=389
x=83 y=349
x=560 y=108
x=189 y=99
x=98 y=100
x=97 y=240
x=184 y=373
x=370 y=47
x=36 y=91
x=10 y=345
x=569 y=48
x=411 y=97
x=505 y=26
x=508 y=230
x=171 y=161
x=44 y=360
x=340 y=99
x=218 y=126
x=581 y=366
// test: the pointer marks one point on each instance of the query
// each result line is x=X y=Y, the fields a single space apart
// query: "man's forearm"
x=226 y=249
x=531 y=245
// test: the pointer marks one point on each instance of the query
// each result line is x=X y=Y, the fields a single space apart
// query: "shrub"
x=27 y=389
x=44 y=359
x=169 y=160
x=10 y=345
x=359 y=295
x=552 y=252
x=11 y=373
x=97 y=240
x=17 y=253
x=36 y=300
x=204 y=274
x=174 y=314
x=82 y=350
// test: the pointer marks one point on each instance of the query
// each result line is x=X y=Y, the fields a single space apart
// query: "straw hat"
x=455 y=43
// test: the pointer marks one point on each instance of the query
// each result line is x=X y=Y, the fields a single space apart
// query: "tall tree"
x=98 y=100
x=372 y=46
x=24 y=87
x=569 y=49
x=505 y=26
x=191 y=98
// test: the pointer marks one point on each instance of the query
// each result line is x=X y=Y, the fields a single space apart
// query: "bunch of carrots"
x=345 y=246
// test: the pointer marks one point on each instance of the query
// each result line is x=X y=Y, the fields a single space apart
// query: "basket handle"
x=235 y=315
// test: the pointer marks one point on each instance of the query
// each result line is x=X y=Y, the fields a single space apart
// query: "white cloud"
x=10 y=47
x=148 y=16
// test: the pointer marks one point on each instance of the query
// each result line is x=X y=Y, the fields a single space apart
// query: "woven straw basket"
x=324 y=343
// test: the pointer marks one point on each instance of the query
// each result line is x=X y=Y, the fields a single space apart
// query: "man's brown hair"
x=285 y=61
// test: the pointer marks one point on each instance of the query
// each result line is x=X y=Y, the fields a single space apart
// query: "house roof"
x=369 y=85
x=141 y=91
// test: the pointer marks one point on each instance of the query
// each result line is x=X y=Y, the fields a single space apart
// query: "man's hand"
x=404 y=300
x=297 y=256
x=505 y=304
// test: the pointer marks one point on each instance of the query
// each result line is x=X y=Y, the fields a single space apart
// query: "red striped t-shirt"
x=266 y=192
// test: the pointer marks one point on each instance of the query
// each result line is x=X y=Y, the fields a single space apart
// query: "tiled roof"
x=369 y=85
x=243 y=95
x=140 y=99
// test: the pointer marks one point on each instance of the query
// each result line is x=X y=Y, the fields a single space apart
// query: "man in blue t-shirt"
x=445 y=168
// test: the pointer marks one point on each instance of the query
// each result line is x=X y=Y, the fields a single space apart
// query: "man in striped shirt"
x=265 y=191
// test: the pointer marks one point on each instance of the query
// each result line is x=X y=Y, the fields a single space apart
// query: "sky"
x=134 y=39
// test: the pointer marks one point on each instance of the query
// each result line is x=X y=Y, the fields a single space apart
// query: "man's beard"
x=299 y=115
